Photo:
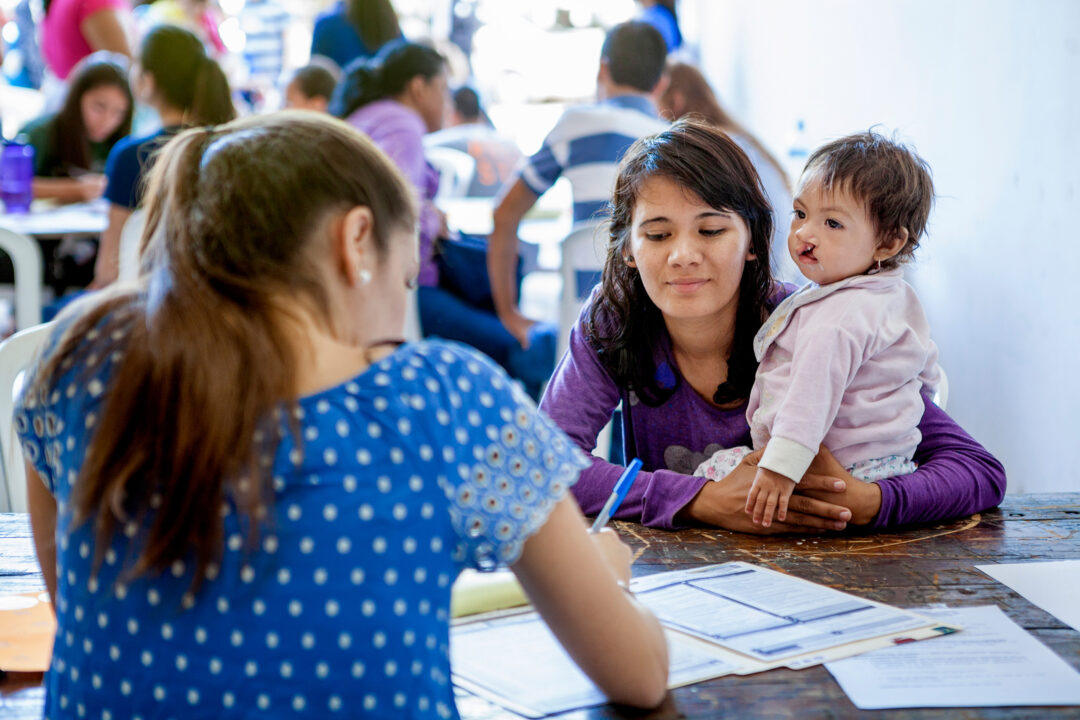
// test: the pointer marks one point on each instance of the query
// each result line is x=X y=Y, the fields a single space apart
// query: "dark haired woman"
x=71 y=146
x=354 y=29
x=177 y=79
x=249 y=499
x=72 y=29
x=685 y=288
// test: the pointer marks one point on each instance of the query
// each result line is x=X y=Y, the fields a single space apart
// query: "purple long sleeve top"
x=956 y=475
x=399 y=131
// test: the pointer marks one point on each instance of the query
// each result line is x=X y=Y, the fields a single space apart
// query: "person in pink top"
x=844 y=360
x=73 y=29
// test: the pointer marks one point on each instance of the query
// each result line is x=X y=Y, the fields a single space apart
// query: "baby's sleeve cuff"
x=787 y=457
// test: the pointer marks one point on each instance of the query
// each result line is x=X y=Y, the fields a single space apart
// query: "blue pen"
x=617 y=494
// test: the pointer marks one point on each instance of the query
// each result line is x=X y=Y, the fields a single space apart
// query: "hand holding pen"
x=614 y=550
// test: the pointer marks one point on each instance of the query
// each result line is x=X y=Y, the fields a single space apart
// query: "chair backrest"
x=456 y=170
x=16 y=354
x=941 y=395
x=27 y=262
x=583 y=253
x=130 y=239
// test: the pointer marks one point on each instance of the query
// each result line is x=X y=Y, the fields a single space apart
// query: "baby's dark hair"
x=891 y=181
x=316 y=80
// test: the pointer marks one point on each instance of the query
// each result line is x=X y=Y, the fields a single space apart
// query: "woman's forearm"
x=957 y=476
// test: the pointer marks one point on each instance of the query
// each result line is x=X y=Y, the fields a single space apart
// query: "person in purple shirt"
x=669 y=333
x=395 y=98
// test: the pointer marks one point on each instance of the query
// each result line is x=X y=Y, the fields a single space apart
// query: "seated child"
x=844 y=358
x=311 y=86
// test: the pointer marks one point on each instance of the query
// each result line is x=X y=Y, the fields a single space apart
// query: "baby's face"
x=832 y=237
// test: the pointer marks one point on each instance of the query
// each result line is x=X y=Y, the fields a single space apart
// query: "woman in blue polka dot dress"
x=247 y=501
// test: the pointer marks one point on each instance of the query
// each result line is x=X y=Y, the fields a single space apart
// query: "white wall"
x=987 y=91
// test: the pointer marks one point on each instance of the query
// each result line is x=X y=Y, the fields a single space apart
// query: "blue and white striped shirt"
x=586 y=145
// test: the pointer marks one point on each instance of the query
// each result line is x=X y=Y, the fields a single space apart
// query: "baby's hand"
x=770 y=491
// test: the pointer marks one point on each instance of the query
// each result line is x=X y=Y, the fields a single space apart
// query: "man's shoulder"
x=580 y=121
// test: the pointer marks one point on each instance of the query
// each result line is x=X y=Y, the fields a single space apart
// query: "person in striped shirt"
x=585 y=147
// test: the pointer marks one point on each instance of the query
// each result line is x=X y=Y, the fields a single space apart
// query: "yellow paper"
x=27 y=629
x=477 y=592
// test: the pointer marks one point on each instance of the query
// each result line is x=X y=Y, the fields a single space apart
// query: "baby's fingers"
x=782 y=506
x=770 y=508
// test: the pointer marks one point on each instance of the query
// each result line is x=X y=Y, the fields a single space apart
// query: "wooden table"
x=911 y=567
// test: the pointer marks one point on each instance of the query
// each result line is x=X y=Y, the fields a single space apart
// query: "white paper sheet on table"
x=1053 y=585
x=516 y=662
x=734 y=618
x=992 y=663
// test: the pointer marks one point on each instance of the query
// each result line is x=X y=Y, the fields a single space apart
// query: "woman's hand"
x=816 y=505
x=863 y=499
x=616 y=553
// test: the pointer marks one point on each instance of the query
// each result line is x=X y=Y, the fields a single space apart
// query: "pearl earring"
x=363 y=275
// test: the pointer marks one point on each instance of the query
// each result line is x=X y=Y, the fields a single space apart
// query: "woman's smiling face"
x=690 y=256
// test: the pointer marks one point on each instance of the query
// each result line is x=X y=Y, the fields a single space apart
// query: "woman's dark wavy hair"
x=384 y=76
x=624 y=324
x=101 y=69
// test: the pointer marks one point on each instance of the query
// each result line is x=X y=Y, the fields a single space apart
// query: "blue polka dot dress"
x=428 y=462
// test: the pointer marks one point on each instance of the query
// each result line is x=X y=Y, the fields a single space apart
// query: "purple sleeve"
x=580 y=399
x=956 y=476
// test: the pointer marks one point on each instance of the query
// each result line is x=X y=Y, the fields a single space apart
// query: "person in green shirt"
x=70 y=146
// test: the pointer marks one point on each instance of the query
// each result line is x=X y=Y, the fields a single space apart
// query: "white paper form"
x=1053 y=585
x=992 y=663
x=764 y=614
x=517 y=663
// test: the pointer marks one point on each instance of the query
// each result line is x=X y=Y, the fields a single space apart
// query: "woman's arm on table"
x=571 y=579
x=580 y=399
x=956 y=477
x=43 y=521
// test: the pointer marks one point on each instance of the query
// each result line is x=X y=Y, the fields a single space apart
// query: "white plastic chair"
x=130 y=240
x=456 y=170
x=27 y=261
x=941 y=396
x=16 y=354
x=583 y=253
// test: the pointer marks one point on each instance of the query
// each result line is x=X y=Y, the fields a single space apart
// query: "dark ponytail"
x=203 y=367
x=375 y=21
x=184 y=77
x=384 y=76
x=211 y=102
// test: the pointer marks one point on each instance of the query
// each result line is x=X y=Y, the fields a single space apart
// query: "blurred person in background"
x=687 y=92
x=186 y=88
x=662 y=16
x=72 y=29
x=71 y=146
x=311 y=87
x=471 y=131
x=354 y=29
x=199 y=16
x=585 y=146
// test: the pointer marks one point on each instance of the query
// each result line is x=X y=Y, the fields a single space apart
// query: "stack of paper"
x=722 y=619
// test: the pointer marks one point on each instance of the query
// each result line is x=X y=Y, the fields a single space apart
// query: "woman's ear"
x=892 y=244
x=353 y=245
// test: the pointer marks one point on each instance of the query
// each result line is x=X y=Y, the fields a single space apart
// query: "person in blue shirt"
x=661 y=15
x=354 y=29
x=185 y=87
x=248 y=497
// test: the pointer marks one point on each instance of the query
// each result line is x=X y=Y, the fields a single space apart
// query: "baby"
x=844 y=358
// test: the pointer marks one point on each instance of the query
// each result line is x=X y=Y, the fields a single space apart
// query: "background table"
x=911 y=567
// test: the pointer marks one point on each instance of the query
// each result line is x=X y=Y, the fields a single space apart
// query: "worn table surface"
x=910 y=567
